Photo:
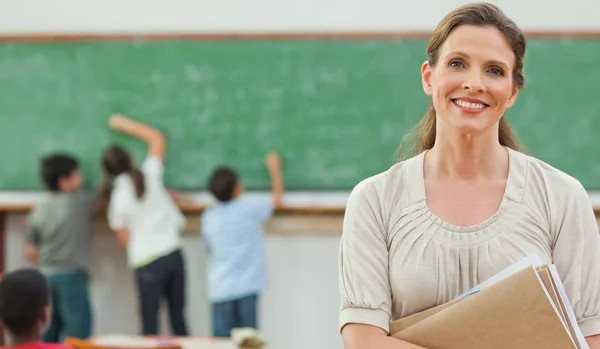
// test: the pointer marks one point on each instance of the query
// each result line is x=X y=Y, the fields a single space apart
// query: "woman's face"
x=471 y=84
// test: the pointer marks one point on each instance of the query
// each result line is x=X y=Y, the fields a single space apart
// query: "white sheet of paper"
x=532 y=260
x=563 y=294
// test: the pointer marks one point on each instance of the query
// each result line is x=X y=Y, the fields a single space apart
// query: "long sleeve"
x=576 y=254
x=363 y=261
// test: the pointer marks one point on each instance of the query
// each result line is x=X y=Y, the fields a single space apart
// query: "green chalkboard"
x=334 y=110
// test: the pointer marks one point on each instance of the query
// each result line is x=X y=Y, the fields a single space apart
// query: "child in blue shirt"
x=233 y=233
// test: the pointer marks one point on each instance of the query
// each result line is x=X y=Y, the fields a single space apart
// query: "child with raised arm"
x=233 y=232
x=147 y=221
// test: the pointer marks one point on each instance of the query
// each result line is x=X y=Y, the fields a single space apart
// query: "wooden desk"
x=4 y=211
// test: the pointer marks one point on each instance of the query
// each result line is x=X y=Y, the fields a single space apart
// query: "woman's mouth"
x=469 y=106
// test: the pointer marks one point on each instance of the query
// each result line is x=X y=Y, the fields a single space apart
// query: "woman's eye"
x=456 y=64
x=496 y=71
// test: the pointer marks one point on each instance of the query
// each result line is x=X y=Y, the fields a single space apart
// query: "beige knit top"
x=397 y=258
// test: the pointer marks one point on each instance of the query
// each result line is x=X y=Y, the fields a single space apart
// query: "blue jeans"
x=234 y=314
x=71 y=310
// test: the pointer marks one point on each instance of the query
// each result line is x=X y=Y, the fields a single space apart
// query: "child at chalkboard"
x=148 y=223
x=233 y=233
x=60 y=243
x=25 y=309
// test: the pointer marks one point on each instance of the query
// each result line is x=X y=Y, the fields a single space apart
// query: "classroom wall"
x=74 y=16
x=300 y=309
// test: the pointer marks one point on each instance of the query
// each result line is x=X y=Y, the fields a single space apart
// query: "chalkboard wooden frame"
x=191 y=208
x=195 y=208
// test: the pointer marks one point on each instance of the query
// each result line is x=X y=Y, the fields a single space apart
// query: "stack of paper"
x=523 y=307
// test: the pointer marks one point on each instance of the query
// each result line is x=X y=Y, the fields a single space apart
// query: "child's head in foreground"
x=24 y=304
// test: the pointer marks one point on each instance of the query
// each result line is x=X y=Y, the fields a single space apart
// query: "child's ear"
x=63 y=183
x=45 y=318
x=239 y=189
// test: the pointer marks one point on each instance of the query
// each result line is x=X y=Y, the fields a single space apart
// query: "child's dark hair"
x=222 y=183
x=24 y=295
x=56 y=167
x=115 y=161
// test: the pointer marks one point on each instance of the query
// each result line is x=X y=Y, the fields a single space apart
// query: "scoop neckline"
x=509 y=190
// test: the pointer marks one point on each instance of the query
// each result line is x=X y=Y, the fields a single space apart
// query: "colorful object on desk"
x=121 y=341
x=142 y=343
x=247 y=338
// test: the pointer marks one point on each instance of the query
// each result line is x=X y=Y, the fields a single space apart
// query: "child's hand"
x=273 y=162
x=117 y=121
x=31 y=253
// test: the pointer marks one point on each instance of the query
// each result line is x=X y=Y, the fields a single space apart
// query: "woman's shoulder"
x=542 y=173
x=548 y=186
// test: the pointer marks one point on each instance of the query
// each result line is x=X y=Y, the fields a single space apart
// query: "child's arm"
x=122 y=237
x=154 y=138
x=31 y=252
x=31 y=248
x=274 y=166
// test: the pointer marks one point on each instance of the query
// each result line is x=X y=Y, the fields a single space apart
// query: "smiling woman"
x=468 y=203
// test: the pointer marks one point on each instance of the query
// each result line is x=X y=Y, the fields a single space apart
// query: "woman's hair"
x=477 y=14
x=116 y=161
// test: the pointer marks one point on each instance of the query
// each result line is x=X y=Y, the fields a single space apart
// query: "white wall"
x=300 y=309
x=77 y=16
